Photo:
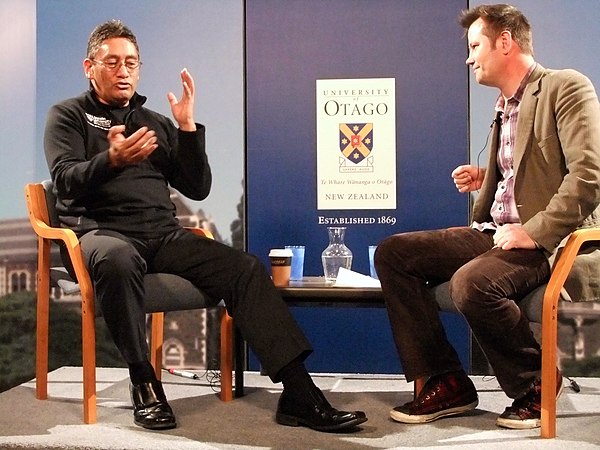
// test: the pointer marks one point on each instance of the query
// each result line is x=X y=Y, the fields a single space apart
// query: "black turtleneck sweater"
x=133 y=200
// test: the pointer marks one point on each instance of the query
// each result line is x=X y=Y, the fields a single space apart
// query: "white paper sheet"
x=349 y=278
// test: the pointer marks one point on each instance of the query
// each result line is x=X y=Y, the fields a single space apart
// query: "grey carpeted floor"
x=248 y=422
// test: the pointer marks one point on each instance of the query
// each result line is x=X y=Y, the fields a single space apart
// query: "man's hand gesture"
x=183 y=109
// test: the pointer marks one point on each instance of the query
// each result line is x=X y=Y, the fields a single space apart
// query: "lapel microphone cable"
x=498 y=121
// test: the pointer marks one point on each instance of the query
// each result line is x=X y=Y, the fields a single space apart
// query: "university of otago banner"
x=356 y=144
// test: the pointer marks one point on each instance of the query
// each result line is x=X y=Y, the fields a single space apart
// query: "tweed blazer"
x=556 y=162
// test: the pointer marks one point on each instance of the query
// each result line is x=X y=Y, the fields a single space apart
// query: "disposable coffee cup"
x=281 y=266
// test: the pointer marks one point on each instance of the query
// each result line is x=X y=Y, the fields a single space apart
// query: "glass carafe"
x=336 y=254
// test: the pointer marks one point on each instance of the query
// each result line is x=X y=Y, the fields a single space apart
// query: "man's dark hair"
x=107 y=30
x=499 y=18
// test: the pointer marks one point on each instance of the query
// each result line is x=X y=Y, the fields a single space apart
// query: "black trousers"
x=117 y=265
x=486 y=283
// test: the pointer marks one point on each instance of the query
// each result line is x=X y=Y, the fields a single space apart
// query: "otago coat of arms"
x=356 y=141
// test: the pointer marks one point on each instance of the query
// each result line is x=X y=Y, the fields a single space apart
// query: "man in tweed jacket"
x=542 y=182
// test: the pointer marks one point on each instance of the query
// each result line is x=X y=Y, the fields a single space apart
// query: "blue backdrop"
x=287 y=49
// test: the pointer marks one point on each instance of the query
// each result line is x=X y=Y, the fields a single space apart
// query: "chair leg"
x=156 y=342
x=42 y=317
x=88 y=336
x=89 y=367
x=549 y=375
x=227 y=337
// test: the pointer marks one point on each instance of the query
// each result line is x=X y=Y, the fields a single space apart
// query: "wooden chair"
x=540 y=306
x=164 y=292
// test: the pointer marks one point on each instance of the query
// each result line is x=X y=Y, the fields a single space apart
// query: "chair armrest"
x=566 y=259
x=200 y=232
x=562 y=267
x=44 y=231
x=39 y=218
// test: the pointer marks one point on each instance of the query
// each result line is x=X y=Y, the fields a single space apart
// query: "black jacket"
x=134 y=200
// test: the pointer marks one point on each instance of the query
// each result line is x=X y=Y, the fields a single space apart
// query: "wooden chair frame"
x=550 y=324
x=557 y=280
x=46 y=234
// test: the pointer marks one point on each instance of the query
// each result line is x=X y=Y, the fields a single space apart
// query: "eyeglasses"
x=113 y=65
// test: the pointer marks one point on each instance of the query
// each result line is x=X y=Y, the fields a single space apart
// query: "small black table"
x=315 y=291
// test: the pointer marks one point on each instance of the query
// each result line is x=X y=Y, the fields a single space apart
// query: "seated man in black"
x=111 y=162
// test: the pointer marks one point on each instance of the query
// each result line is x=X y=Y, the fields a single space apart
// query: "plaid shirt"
x=504 y=208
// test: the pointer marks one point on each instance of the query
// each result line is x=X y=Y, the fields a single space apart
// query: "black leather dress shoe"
x=314 y=411
x=150 y=406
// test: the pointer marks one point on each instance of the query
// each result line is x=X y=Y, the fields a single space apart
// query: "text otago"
x=333 y=108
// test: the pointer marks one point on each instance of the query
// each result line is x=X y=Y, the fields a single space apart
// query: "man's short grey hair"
x=107 y=30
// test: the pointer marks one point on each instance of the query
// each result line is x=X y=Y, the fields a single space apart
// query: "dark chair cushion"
x=168 y=292
x=164 y=291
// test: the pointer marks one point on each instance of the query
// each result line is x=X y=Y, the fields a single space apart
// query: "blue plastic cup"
x=297 y=261
x=372 y=271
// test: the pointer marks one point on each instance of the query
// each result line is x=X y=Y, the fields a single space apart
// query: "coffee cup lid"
x=280 y=252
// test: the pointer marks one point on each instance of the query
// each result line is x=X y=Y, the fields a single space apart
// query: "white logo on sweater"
x=98 y=122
